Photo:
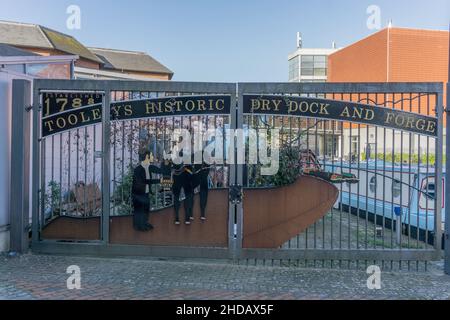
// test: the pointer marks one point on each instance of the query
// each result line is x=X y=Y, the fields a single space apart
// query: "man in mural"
x=143 y=178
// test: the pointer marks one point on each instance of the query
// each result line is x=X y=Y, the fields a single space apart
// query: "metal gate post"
x=447 y=188
x=35 y=166
x=439 y=150
x=106 y=160
x=231 y=181
x=239 y=179
x=20 y=165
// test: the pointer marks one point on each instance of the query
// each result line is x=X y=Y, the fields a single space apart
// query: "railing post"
x=106 y=157
x=35 y=166
x=447 y=189
x=439 y=157
x=20 y=166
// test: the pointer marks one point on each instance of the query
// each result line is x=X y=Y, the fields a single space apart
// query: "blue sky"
x=224 y=40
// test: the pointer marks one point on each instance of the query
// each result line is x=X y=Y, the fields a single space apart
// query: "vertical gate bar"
x=94 y=149
x=384 y=178
x=36 y=167
x=447 y=188
x=43 y=186
x=375 y=213
x=366 y=226
x=122 y=164
x=438 y=178
x=392 y=181
x=410 y=145
x=77 y=164
x=53 y=173
x=236 y=219
x=106 y=167
x=427 y=175
x=400 y=232
x=60 y=173
x=85 y=152
x=332 y=170
x=349 y=185
x=358 y=191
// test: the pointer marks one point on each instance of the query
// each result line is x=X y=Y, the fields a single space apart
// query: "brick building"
x=91 y=62
x=392 y=55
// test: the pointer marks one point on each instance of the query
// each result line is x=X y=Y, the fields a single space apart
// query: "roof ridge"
x=118 y=50
x=45 y=36
x=19 y=23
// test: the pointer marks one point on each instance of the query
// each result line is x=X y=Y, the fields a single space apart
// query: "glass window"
x=320 y=65
x=293 y=68
x=49 y=70
x=373 y=184
x=320 y=59
x=307 y=71
x=320 y=72
x=396 y=188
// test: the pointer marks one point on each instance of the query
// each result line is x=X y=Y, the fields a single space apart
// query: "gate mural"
x=358 y=170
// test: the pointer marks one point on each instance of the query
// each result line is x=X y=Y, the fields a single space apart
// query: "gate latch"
x=236 y=194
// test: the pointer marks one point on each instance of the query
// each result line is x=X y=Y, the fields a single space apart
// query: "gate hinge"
x=29 y=108
x=236 y=194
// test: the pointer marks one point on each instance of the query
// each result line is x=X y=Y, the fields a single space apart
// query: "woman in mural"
x=143 y=178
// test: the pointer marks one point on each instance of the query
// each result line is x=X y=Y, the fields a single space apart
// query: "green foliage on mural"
x=405 y=158
x=52 y=197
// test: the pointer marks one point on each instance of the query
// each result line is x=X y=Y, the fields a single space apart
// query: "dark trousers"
x=183 y=181
x=141 y=205
x=201 y=179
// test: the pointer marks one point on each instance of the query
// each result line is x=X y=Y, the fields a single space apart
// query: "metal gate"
x=388 y=176
x=89 y=143
x=348 y=189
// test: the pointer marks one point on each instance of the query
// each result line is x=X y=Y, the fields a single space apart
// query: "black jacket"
x=140 y=181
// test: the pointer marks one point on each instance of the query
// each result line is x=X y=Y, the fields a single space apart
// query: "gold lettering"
x=201 y=105
x=49 y=124
x=409 y=122
x=96 y=113
x=255 y=104
x=168 y=106
x=357 y=113
x=345 y=113
x=60 y=123
x=128 y=110
x=83 y=118
x=400 y=120
x=220 y=104
x=316 y=105
x=63 y=105
x=369 y=114
x=73 y=120
x=178 y=104
x=302 y=106
x=265 y=105
x=276 y=104
x=389 y=117
x=291 y=106
x=420 y=124
x=190 y=105
x=116 y=110
x=431 y=127
x=323 y=108
x=150 y=107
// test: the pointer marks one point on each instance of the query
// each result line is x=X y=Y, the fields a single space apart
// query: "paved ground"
x=45 y=277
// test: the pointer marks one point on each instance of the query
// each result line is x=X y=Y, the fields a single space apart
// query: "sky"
x=224 y=40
